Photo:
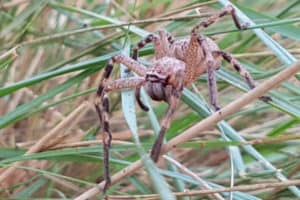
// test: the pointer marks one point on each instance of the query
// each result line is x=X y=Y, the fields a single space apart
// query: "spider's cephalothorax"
x=177 y=64
x=166 y=74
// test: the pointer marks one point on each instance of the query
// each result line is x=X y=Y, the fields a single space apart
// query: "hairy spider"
x=177 y=64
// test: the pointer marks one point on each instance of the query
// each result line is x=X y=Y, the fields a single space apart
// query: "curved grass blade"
x=24 y=110
x=44 y=76
x=128 y=107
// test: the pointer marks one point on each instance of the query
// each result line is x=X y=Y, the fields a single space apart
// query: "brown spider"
x=177 y=64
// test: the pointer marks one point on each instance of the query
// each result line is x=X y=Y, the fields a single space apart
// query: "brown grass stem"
x=190 y=193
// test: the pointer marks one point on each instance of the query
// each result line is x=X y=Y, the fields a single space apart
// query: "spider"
x=177 y=64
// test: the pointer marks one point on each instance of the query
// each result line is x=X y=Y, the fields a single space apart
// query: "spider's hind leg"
x=228 y=10
x=241 y=70
x=212 y=64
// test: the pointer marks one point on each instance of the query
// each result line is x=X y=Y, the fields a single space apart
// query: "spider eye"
x=156 y=78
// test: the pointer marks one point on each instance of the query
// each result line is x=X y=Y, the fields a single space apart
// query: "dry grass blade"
x=192 y=132
x=12 y=4
x=51 y=138
x=190 y=193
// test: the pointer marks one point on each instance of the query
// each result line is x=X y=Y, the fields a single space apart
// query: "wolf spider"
x=177 y=64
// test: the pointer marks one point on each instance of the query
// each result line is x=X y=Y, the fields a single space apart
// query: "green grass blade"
x=44 y=76
x=20 y=20
x=24 y=110
x=29 y=191
x=128 y=107
x=282 y=127
x=86 y=154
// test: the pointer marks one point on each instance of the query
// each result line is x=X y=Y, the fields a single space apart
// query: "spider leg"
x=138 y=98
x=165 y=124
x=192 y=51
x=102 y=108
x=171 y=39
x=212 y=85
x=106 y=139
x=129 y=62
x=241 y=70
x=211 y=68
x=173 y=100
x=134 y=56
x=238 y=67
x=141 y=44
x=214 y=18
x=102 y=102
x=147 y=40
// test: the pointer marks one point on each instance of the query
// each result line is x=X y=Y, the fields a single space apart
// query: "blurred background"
x=52 y=53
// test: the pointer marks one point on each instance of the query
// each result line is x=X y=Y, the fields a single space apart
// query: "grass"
x=51 y=57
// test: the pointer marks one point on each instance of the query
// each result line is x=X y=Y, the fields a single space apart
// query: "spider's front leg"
x=102 y=102
x=165 y=124
x=175 y=87
x=102 y=108
x=130 y=63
